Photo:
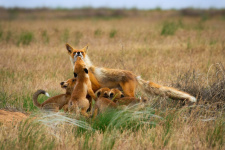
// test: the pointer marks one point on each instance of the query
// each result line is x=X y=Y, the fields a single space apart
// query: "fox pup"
x=102 y=101
x=82 y=87
x=117 y=97
x=57 y=102
x=116 y=78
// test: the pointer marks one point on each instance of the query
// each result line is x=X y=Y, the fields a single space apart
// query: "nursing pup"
x=78 y=101
x=102 y=101
x=116 y=78
x=117 y=97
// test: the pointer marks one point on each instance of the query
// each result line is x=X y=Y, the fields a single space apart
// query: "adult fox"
x=116 y=78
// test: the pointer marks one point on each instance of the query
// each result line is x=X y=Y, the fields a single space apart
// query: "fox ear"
x=69 y=48
x=85 y=48
x=85 y=70
x=98 y=93
x=75 y=75
x=122 y=95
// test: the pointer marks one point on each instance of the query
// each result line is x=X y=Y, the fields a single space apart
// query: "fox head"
x=115 y=94
x=74 y=53
x=68 y=85
x=80 y=69
x=103 y=92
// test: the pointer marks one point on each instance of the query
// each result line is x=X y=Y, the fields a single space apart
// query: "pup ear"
x=85 y=48
x=86 y=70
x=69 y=48
x=98 y=93
x=122 y=95
x=75 y=75
x=111 y=95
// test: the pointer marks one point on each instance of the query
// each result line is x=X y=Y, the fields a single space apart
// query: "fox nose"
x=78 y=53
x=61 y=83
x=105 y=94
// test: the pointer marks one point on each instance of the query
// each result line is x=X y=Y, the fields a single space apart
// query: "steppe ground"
x=185 y=52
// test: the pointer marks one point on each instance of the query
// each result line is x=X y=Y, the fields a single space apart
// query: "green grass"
x=112 y=33
x=25 y=38
x=215 y=136
x=30 y=135
x=169 y=28
x=97 y=32
x=45 y=37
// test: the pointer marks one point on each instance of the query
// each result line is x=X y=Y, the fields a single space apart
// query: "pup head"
x=115 y=94
x=68 y=85
x=80 y=68
x=74 y=53
x=103 y=92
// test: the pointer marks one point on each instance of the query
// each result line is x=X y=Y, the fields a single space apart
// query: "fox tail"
x=153 y=88
x=35 y=97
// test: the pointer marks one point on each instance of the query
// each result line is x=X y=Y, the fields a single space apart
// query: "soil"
x=8 y=117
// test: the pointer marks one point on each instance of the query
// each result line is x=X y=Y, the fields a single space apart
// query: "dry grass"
x=33 y=56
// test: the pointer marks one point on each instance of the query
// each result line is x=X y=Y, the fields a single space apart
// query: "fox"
x=123 y=79
x=82 y=87
x=117 y=97
x=56 y=102
x=102 y=101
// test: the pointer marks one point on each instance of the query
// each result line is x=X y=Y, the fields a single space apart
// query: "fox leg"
x=90 y=102
x=92 y=94
x=128 y=88
x=95 y=113
x=84 y=112
x=65 y=108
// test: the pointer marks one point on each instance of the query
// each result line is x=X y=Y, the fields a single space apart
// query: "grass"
x=169 y=28
x=25 y=38
x=112 y=33
x=45 y=37
x=189 y=57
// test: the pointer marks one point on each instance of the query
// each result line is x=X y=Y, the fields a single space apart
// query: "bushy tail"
x=35 y=97
x=153 y=88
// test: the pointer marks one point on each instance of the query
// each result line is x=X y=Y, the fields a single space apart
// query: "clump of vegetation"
x=97 y=32
x=112 y=33
x=8 y=36
x=45 y=37
x=169 y=28
x=213 y=92
x=25 y=38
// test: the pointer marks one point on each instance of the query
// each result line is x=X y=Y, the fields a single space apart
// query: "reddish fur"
x=81 y=89
x=115 y=78
x=59 y=101
x=102 y=102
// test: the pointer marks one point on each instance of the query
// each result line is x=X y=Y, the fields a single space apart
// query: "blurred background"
x=122 y=4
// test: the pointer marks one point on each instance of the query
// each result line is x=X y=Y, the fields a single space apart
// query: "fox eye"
x=82 y=52
x=86 y=70
x=73 y=80
x=74 y=53
x=75 y=75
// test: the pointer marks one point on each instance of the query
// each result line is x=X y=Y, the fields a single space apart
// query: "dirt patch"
x=7 y=117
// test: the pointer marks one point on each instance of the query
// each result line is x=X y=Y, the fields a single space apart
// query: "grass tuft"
x=25 y=38
x=169 y=28
x=112 y=33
